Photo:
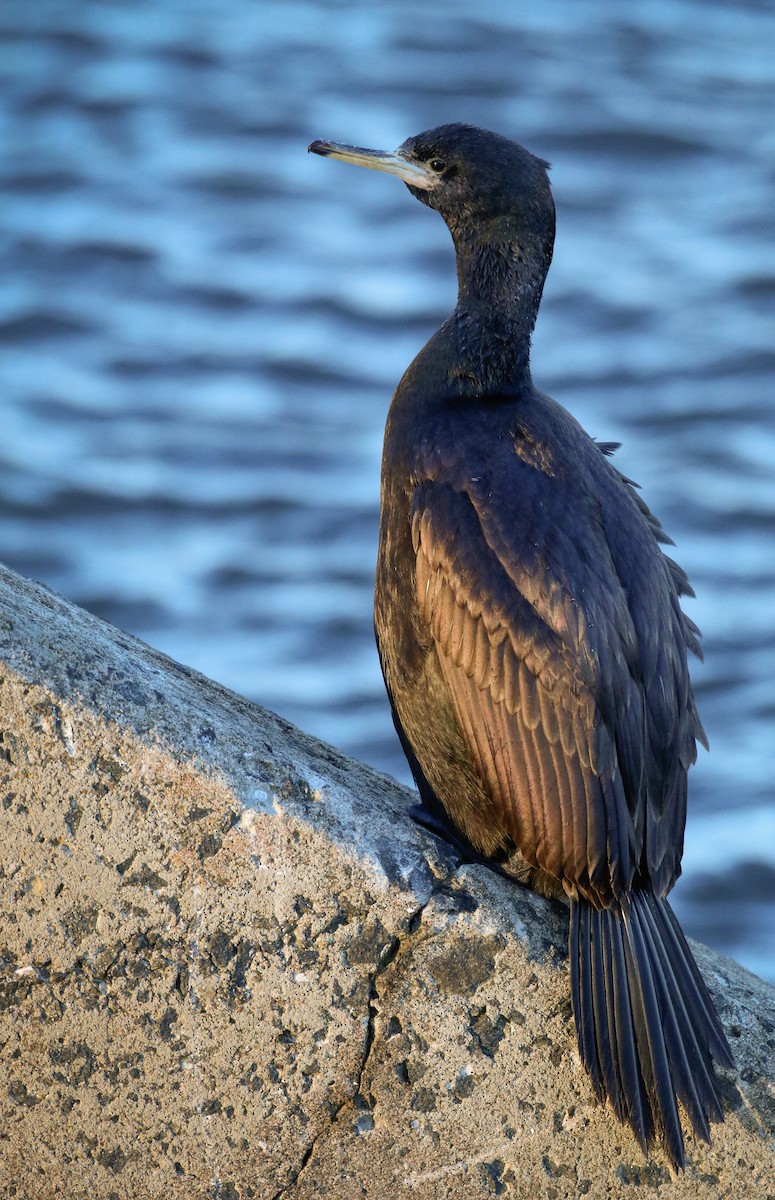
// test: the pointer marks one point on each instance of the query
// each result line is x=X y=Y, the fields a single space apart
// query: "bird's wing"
x=544 y=670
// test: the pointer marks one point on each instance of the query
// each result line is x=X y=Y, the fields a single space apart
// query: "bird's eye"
x=438 y=165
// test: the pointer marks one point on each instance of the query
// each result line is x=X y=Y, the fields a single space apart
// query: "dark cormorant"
x=532 y=640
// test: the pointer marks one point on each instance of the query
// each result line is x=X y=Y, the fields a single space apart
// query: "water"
x=201 y=327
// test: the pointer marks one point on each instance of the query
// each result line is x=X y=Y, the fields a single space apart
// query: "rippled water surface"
x=202 y=325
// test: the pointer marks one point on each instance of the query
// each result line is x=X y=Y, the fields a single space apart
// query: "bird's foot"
x=441 y=827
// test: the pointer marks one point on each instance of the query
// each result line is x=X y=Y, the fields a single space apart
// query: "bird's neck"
x=500 y=282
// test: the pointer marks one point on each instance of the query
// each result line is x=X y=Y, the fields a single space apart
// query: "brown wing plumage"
x=552 y=702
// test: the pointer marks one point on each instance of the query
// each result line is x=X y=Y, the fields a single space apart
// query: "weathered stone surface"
x=231 y=966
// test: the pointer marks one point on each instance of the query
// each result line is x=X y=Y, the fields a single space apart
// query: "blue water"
x=201 y=327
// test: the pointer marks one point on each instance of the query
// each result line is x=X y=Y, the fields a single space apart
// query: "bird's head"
x=485 y=186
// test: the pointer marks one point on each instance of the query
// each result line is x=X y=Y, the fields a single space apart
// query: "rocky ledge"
x=231 y=966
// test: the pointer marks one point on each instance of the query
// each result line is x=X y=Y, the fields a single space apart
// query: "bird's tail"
x=646 y=1024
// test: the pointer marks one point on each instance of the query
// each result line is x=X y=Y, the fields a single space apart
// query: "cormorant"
x=532 y=640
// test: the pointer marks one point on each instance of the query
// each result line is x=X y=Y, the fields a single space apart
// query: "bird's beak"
x=379 y=160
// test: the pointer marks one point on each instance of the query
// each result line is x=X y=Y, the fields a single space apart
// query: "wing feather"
x=568 y=713
x=530 y=722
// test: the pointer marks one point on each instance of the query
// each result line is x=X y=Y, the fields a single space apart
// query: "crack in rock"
x=387 y=956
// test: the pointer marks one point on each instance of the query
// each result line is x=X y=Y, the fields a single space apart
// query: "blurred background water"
x=201 y=327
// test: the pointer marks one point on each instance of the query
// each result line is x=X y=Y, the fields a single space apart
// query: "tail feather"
x=652 y=1051
x=604 y=1018
x=638 y=1108
x=689 y=1058
x=646 y=1024
x=581 y=996
x=704 y=1015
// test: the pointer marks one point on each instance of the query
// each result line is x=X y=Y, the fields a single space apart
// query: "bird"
x=533 y=644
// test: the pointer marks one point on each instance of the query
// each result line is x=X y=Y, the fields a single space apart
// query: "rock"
x=231 y=966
